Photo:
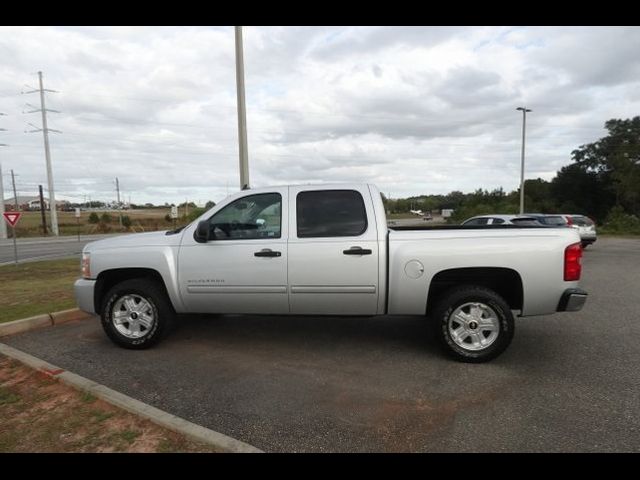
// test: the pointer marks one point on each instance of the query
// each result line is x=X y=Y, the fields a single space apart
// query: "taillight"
x=572 y=266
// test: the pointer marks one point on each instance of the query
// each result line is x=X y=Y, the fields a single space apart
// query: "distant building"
x=35 y=205
x=447 y=212
x=32 y=203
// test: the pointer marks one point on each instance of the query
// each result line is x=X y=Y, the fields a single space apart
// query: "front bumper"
x=572 y=300
x=83 y=290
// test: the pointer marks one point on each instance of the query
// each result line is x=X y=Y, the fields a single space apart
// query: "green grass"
x=87 y=397
x=39 y=287
x=129 y=436
x=7 y=397
x=100 y=416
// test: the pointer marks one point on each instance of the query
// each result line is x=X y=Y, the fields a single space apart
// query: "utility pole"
x=15 y=195
x=119 y=209
x=45 y=130
x=242 y=113
x=524 y=126
x=3 y=226
x=44 y=218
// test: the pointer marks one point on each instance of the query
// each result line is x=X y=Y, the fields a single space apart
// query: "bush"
x=93 y=218
x=618 y=221
x=105 y=218
x=195 y=213
x=168 y=219
x=126 y=222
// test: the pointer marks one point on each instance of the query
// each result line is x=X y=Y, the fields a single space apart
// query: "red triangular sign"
x=12 y=217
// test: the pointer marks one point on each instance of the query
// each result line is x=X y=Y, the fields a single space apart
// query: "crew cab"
x=327 y=250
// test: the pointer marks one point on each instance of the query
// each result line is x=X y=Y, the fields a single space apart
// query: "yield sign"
x=12 y=217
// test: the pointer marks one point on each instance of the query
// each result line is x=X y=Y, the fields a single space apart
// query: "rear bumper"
x=572 y=300
x=83 y=290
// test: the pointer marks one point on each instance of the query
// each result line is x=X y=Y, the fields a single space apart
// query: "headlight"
x=85 y=265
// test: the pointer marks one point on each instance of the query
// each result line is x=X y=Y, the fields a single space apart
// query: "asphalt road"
x=569 y=382
x=45 y=248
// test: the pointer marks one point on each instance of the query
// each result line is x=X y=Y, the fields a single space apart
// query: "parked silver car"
x=522 y=220
x=584 y=225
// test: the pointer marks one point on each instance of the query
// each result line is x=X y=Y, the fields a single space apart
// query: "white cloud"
x=414 y=110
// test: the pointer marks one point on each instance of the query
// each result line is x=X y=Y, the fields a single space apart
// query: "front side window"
x=330 y=213
x=250 y=217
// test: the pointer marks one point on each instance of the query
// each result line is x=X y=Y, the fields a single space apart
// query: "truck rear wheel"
x=136 y=313
x=474 y=324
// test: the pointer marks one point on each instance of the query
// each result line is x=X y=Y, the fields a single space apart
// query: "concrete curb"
x=40 y=321
x=155 y=415
x=25 y=324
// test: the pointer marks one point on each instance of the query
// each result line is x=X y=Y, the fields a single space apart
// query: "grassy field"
x=40 y=414
x=39 y=287
x=143 y=220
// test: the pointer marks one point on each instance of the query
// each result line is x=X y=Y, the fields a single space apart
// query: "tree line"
x=602 y=182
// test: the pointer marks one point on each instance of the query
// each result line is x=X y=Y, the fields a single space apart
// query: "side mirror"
x=201 y=235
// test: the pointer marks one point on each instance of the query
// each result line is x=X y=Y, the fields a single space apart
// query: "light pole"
x=242 y=112
x=524 y=126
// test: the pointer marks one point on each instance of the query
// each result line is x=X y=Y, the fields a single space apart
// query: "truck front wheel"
x=474 y=323
x=136 y=313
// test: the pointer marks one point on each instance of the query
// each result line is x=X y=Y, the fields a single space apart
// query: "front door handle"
x=267 y=252
x=357 y=251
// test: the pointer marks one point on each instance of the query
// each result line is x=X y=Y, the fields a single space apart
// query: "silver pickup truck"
x=327 y=250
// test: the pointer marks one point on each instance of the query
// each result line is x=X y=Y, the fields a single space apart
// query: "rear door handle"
x=267 y=252
x=357 y=251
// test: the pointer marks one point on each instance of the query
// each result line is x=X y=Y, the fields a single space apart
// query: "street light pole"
x=524 y=126
x=242 y=112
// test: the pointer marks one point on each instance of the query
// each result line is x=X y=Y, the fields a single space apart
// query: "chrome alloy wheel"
x=474 y=326
x=133 y=316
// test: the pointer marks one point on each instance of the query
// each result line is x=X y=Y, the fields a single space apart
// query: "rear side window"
x=556 y=220
x=497 y=221
x=582 y=221
x=330 y=213
x=525 y=221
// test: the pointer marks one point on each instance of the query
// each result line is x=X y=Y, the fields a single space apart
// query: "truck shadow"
x=311 y=332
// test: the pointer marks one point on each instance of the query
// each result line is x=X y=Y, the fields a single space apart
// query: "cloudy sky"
x=414 y=110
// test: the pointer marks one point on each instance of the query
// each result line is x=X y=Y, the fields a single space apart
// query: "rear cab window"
x=330 y=213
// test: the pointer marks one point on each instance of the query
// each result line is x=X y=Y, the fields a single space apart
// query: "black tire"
x=153 y=293
x=460 y=296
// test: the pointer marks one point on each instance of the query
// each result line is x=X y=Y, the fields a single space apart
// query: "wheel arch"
x=506 y=282
x=108 y=278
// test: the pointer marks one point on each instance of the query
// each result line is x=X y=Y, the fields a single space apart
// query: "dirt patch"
x=40 y=414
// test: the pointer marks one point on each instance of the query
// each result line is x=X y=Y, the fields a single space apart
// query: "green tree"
x=94 y=218
x=579 y=189
x=615 y=161
x=105 y=218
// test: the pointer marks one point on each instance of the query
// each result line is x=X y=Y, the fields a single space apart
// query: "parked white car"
x=327 y=250
x=585 y=226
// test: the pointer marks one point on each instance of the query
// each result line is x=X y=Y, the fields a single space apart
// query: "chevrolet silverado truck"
x=327 y=250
